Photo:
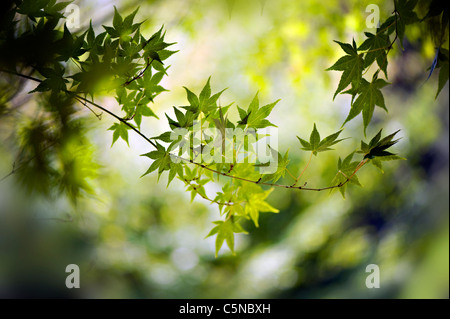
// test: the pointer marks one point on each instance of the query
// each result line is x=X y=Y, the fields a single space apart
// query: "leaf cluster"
x=366 y=94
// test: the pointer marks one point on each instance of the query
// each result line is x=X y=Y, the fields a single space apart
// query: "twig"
x=16 y=168
x=304 y=169
x=195 y=188
x=141 y=74
x=272 y=184
x=98 y=116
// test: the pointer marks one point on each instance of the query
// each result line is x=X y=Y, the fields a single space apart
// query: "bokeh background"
x=134 y=238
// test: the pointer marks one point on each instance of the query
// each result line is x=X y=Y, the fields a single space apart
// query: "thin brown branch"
x=272 y=184
x=115 y=116
x=16 y=167
x=98 y=116
x=141 y=74
x=392 y=43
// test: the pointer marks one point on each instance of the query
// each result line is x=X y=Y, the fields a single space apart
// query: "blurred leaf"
x=225 y=232
x=406 y=15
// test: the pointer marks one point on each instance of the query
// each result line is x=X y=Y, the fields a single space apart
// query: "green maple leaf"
x=376 y=46
x=256 y=203
x=40 y=8
x=443 y=66
x=142 y=110
x=53 y=8
x=165 y=137
x=369 y=96
x=376 y=152
x=389 y=25
x=406 y=15
x=120 y=130
x=183 y=120
x=352 y=64
x=150 y=83
x=204 y=102
x=123 y=28
x=161 y=161
x=126 y=100
x=316 y=145
x=192 y=99
x=70 y=46
x=378 y=146
x=117 y=19
x=175 y=169
x=255 y=117
x=116 y=30
x=378 y=161
x=226 y=196
x=225 y=232
x=346 y=169
x=244 y=116
x=155 y=43
x=282 y=163
x=197 y=188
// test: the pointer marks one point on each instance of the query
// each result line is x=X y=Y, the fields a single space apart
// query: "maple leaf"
x=406 y=15
x=161 y=158
x=225 y=232
x=282 y=163
x=255 y=117
x=346 y=170
x=204 y=102
x=369 y=96
x=377 y=147
x=316 y=145
x=256 y=203
x=443 y=66
x=120 y=130
x=376 y=46
x=376 y=152
x=352 y=64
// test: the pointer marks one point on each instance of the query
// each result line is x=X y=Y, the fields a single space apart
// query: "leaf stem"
x=292 y=175
x=195 y=188
x=304 y=169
